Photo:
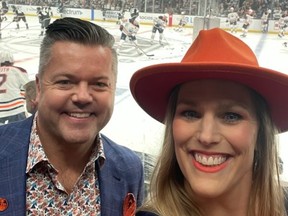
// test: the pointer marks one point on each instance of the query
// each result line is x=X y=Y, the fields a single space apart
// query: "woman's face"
x=215 y=132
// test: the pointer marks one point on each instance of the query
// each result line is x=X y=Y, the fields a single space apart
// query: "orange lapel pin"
x=129 y=207
x=3 y=204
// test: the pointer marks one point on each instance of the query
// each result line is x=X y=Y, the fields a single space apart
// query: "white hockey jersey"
x=159 y=23
x=233 y=17
x=12 y=98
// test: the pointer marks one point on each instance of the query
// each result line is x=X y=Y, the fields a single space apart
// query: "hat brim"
x=151 y=86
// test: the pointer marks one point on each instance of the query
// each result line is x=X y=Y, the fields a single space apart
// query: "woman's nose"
x=208 y=131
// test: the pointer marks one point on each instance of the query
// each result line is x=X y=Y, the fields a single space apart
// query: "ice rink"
x=129 y=125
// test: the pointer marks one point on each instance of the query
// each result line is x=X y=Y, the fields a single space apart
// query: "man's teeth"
x=209 y=160
x=80 y=115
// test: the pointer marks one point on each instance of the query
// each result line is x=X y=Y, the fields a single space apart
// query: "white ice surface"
x=130 y=126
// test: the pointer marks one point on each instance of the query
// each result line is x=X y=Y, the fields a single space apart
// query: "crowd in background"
x=259 y=7
x=190 y=7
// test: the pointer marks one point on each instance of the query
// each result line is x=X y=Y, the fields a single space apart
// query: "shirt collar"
x=36 y=153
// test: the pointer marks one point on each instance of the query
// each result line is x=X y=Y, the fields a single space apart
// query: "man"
x=57 y=162
x=3 y=17
x=130 y=28
x=247 y=21
x=283 y=24
x=232 y=19
x=12 y=81
x=18 y=16
x=159 y=24
x=30 y=97
x=3 y=11
x=44 y=15
x=265 y=21
x=182 y=22
x=61 y=8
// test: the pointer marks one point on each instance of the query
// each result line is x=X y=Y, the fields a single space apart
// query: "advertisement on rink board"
x=97 y=15
x=144 y=18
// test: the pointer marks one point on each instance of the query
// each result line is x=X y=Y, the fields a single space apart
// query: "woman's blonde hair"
x=170 y=194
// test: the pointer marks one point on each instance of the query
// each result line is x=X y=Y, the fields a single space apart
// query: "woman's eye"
x=232 y=117
x=190 y=114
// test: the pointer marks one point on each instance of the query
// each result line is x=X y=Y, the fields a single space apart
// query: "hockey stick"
x=136 y=45
x=166 y=40
x=7 y=25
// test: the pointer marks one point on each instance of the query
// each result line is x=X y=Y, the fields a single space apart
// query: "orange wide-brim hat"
x=215 y=54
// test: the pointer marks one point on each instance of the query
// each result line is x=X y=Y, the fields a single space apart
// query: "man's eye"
x=101 y=84
x=232 y=117
x=63 y=82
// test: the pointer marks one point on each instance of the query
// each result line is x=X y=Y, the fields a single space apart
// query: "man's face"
x=75 y=93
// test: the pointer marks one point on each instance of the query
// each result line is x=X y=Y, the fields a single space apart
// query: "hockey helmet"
x=134 y=12
x=164 y=18
x=6 y=56
x=13 y=8
x=250 y=11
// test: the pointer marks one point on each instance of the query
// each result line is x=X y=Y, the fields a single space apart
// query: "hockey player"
x=182 y=23
x=120 y=18
x=44 y=14
x=130 y=28
x=159 y=24
x=283 y=24
x=13 y=79
x=3 y=11
x=18 y=16
x=265 y=21
x=247 y=21
x=60 y=9
x=232 y=19
x=104 y=14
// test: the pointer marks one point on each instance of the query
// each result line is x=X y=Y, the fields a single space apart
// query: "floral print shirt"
x=44 y=193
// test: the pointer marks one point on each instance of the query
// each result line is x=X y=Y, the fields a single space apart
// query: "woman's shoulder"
x=145 y=213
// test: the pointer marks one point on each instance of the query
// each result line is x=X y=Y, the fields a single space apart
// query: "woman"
x=222 y=112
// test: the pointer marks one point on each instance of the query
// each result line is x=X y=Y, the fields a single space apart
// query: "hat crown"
x=218 y=46
x=215 y=54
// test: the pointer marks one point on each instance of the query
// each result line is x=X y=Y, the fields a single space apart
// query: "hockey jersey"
x=233 y=17
x=159 y=22
x=12 y=98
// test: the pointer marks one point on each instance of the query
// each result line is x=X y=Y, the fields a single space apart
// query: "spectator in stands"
x=13 y=79
x=30 y=97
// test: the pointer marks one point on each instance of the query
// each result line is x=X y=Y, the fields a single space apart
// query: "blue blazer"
x=121 y=173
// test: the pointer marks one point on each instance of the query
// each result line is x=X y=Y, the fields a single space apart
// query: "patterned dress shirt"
x=45 y=194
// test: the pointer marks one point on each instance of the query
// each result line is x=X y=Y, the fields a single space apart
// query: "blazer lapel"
x=13 y=160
